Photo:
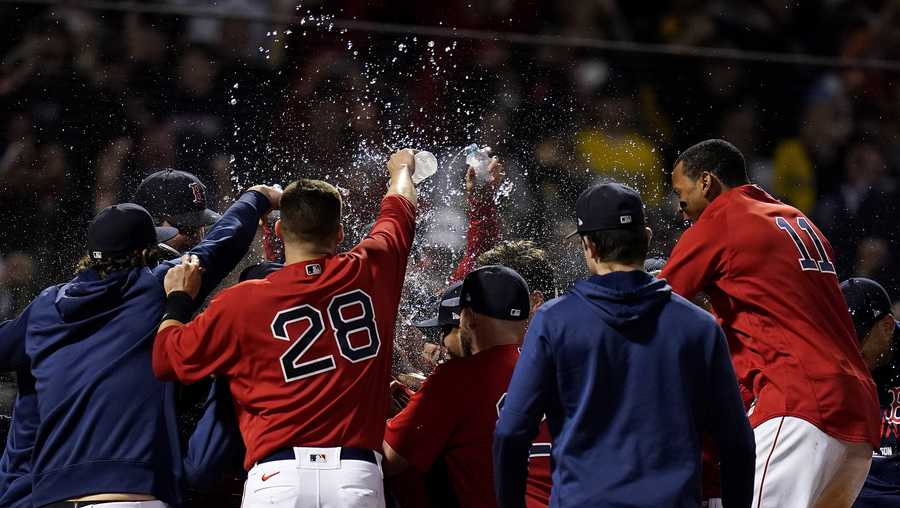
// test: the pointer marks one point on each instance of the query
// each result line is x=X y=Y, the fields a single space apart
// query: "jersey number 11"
x=824 y=264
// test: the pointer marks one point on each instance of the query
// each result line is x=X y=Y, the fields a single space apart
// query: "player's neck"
x=510 y=333
x=604 y=268
x=300 y=253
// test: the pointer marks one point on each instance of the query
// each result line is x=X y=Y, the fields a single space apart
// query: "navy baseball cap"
x=448 y=309
x=498 y=292
x=177 y=197
x=868 y=302
x=120 y=229
x=607 y=206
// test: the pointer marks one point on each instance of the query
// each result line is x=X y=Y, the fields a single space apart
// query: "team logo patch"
x=97 y=254
x=515 y=312
x=318 y=458
x=313 y=269
x=625 y=219
x=580 y=222
x=199 y=197
x=455 y=316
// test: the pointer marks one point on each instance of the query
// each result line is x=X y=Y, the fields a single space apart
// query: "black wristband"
x=179 y=306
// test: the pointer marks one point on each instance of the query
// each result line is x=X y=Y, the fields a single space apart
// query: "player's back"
x=315 y=341
x=770 y=276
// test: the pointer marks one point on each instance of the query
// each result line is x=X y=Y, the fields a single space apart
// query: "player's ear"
x=466 y=318
x=278 y=232
x=649 y=233
x=340 y=235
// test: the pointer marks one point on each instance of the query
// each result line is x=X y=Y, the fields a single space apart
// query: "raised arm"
x=484 y=221
x=229 y=239
x=202 y=347
x=401 y=167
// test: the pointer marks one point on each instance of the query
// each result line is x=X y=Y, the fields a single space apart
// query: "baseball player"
x=102 y=316
x=770 y=278
x=453 y=415
x=878 y=333
x=628 y=375
x=306 y=350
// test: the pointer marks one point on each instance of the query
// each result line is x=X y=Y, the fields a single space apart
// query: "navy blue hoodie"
x=106 y=423
x=629 y=376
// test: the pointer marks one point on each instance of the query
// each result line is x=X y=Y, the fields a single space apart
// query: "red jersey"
x=770 y=276
x=454 y=415
x=307 y=350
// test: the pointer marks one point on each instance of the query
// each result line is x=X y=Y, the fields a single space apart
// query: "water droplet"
x=232 y=101
x=430 y=44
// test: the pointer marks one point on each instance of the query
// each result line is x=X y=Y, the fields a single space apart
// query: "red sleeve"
x=390 y=239
x=205 y=346
x=696 y=259
x=421 y=431
x=483 y=233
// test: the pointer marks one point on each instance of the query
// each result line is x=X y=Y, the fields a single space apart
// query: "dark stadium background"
x=93 y=99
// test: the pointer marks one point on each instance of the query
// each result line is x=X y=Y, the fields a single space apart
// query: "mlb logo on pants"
x=318 y=458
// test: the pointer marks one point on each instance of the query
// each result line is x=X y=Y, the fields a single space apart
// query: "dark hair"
x=148 y=256
x=717 y=156
x=310 y=211
x=525 y=257
x=627 y=245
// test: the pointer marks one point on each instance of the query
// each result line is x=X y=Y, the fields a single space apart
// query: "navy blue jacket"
x=105 y=423
x=629 y=376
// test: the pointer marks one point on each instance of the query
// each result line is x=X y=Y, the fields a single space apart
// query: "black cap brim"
x=205 y=217
x=429 y=323
x=165 y=233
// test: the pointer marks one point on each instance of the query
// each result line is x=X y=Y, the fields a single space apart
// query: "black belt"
x=82 y=504
x=346 y=454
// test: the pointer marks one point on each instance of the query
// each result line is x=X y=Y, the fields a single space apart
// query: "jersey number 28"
x=342 y=327
x=807 y=263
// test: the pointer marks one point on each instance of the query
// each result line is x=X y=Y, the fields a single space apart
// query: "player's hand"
x=497 y=174
x=273 y=193
x=400 y=396
x=434 y=354
x=400 y=159
x=185 y=276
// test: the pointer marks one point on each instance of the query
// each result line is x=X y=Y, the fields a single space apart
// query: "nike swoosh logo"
x=266 y=477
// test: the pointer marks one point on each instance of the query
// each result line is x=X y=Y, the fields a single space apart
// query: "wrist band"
x=179 y=306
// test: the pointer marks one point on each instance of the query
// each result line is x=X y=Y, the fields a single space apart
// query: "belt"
x=82 y=504
x=346 y=454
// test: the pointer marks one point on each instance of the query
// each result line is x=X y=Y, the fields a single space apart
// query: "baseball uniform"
x=307 y=352
x=770 y=276
x=453 y=416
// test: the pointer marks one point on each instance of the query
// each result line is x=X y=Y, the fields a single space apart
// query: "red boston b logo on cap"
x=199 y=197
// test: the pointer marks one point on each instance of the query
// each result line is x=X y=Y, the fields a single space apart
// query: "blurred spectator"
x=858 y=217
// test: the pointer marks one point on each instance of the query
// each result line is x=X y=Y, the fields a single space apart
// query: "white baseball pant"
x=799 y=466
x=315 y=478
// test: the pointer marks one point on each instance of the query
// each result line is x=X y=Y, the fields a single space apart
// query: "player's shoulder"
x=243 y=293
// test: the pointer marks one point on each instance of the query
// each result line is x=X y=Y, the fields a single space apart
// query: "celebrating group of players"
x=620 y=392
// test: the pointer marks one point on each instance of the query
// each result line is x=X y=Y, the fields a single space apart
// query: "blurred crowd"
x=92 y=101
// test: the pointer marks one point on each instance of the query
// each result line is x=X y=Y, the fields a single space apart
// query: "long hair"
x=148 y=256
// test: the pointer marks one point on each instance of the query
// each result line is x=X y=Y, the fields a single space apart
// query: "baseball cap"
x=176 y=196
x=607 y=206
x=121 y=228
x=448 y=309
x=868 y=302
x=496 y=291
